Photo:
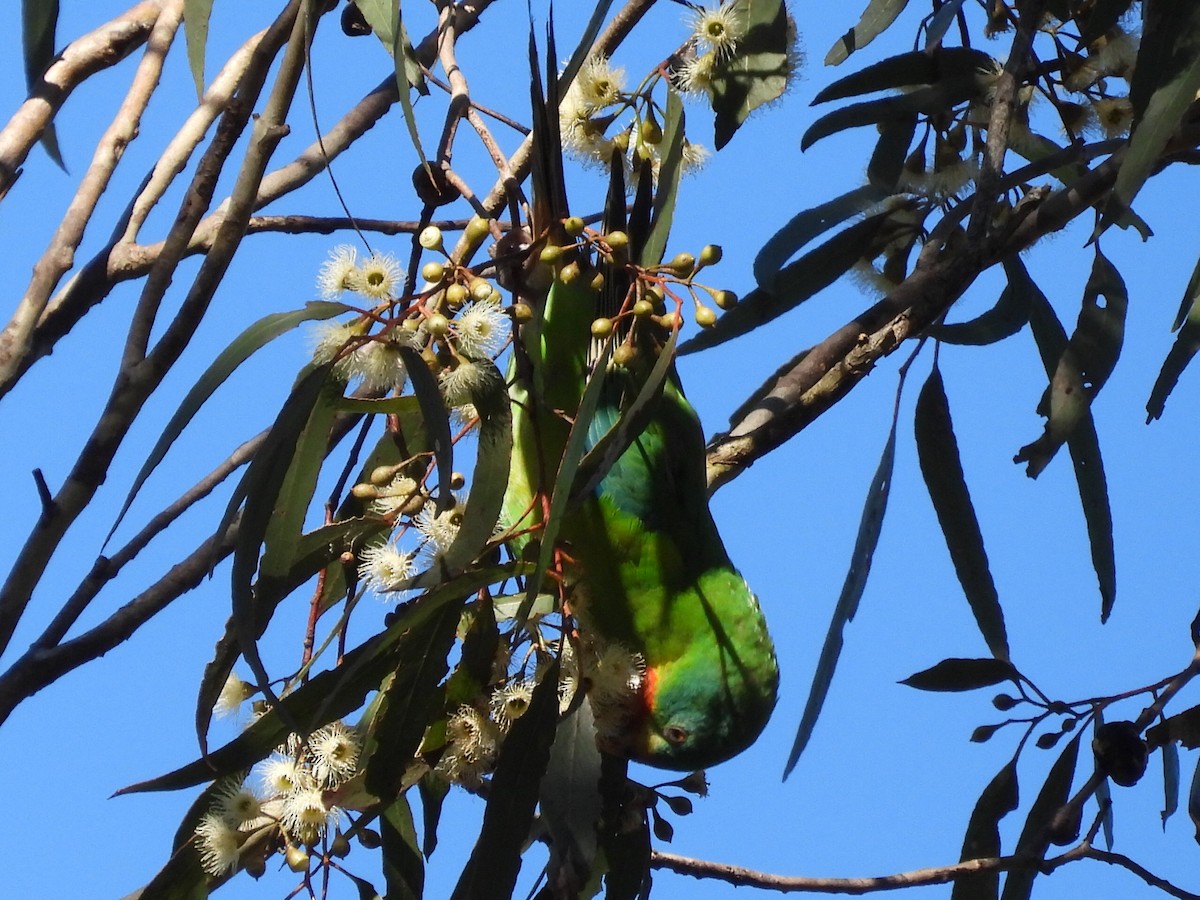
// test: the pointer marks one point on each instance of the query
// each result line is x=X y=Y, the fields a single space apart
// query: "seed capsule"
x=602 y=328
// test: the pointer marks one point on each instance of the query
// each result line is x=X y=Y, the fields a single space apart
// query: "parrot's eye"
x=675 y=734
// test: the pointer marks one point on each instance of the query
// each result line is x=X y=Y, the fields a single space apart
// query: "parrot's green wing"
x=646 y=571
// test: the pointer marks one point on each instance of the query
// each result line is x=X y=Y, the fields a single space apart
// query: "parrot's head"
x=697 y=715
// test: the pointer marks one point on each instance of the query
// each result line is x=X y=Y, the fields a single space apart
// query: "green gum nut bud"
x=456 y=294
x=480 y=289
x=617 y=240
x=710 y=255
x=339 y=847
x=477 y=229
x=437 y=325
x=597 y=282
x=457 y=481
x=621 y=141
x=573 y=226
x=433 y=271
x=706 y=316
x=297 y=859
x=725 y=299
x=381 y=475
x=651 y=132
x=643 y=308
x=602 y=328
x=624 y=355
x=522 y=312
x=430 y=238
x=682 y=264
x=365 y=491
x=569 y=273
x=550 y=254
x=369 y=838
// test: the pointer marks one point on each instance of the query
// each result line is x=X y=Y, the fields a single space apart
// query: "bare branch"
x=100 y=49
x=60 y=255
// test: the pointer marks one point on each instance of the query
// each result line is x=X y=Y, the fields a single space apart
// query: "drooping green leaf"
x=409 y=697
x=39 y=21
x=805 y=226
x=935 y=98
x=437 y=422
x=1170 y=757
x=941 y=467
x=335 y=693
x=940 y=22
x=1187 y=343
x=865 y=542
x=590 y=31
x=433 y=789
x=295 y=494
x=982 y=840
x=1006 y=318
x=1166 y=78
x=228 y=360
x=196 y=14
x=957 y=64
x=1183 y=728
x=956 y=674
x=182 y=878
x=1194 y=800
x=1041 y=825
x=1084 y=447
x=756 y=72
x=570 y=798
x=875 y=19
x=668 y=182
x=403 y=867
x=385 y=20
x=313 y=552
x=261 y=486
x=795 y=283
x=495 y=860
x=488 y=482
x=886 y=165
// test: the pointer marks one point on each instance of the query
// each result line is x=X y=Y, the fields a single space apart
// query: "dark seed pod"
x=1121 y=754
x=354 y=24
x=432 y=185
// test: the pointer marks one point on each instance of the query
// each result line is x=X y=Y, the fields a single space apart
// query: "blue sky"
x=889 y=779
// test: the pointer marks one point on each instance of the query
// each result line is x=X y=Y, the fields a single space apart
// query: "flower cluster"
x=288 y=806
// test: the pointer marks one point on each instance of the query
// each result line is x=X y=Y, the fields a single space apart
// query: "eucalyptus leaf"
x=795 y=283
x=757 y=70
x=39 y=22
x=668 y=182
x=875 y=19
x=957 y=674
x=917 y=67
x=570 y=797
x=495 y=860
x=1035 y=835
x=933 y=99
x=228 y=360
x=1006 y=318
x=941 y=467
x=1170 y=758
x=196 y=14
x=1187 y=343
x=982 y=839
x=869 y=528
x=403 y=867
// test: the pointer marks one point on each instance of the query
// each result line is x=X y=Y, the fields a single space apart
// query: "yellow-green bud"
x=617 y=240
x=369 y=838
x=522 y=312
x=480 y=288
x=725 y=299
x=682 y=264
x=651 y=132
x=339 y=846
x=297 y=859
x=550 y=254
x=602 y=328
x=437 y=325
x=597 y=282
x=573 y=226
x=477 y=229
x=457 y=481
x=706 y=316
x=430 y=238
x=643 y=308
x=433 y=271
x=624 y=355
x=456 y=294
x=569 y=273
x=710 y=255
x=364 y=491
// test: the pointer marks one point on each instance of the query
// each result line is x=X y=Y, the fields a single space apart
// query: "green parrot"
x=644 y=566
